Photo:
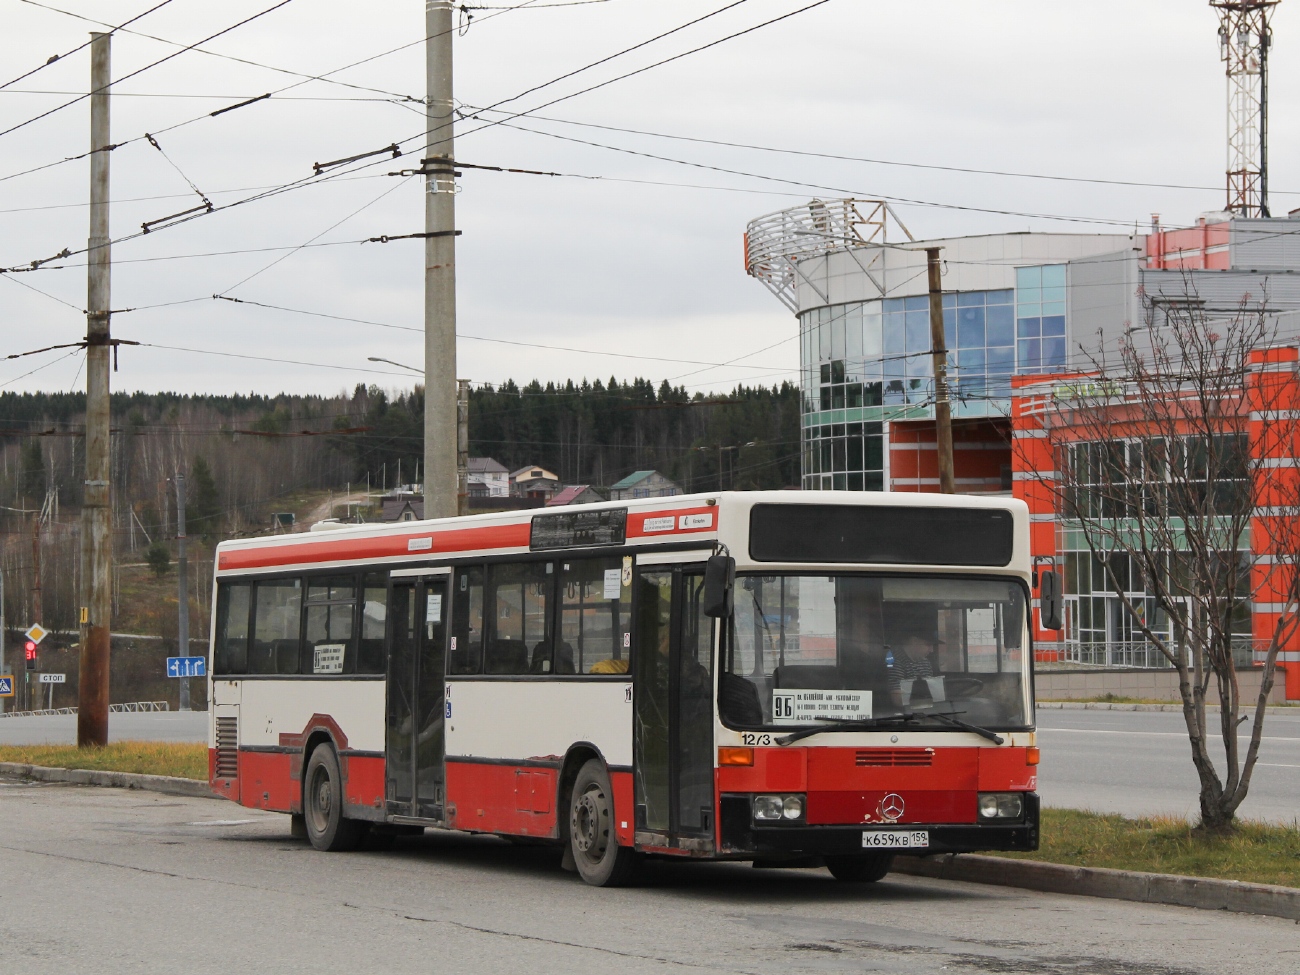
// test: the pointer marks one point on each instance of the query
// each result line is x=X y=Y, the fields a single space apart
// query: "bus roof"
x=694 y=521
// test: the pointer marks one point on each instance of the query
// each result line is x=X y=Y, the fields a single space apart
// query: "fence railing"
x=1141 y=655
x=133 y=706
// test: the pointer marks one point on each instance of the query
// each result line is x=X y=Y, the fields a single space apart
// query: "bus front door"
x=415 y=708
x=673 y=768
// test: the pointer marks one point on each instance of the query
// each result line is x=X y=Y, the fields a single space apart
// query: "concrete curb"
x=1056 y=878
x=1130 y=885
x=1107 y=706
x=165 y=784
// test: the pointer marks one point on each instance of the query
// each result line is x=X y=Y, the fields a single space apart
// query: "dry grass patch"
x=1260 y=853
x=186 y=760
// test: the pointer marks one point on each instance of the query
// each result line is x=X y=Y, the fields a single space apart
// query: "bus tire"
x=601 y=862
x=862 y=868
x=322 y=804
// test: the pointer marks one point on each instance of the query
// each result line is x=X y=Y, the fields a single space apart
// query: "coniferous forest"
x=244 y=454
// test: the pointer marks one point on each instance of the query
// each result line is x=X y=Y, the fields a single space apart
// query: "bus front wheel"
x=601 y=862
x=322 y=804
x=863 y=868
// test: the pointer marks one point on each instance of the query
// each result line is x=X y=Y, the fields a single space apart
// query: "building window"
x=1040 y=318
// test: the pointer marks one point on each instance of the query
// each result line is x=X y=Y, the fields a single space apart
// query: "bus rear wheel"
x=322 y=804
x=863 y=868
x=601 y=862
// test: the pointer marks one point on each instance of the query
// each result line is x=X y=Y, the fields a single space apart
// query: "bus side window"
x=331 y=644
x=374 y=614
x=277 y=624
x=230 y=649
x=520 y=640
x=466 y=656
x=595 y=617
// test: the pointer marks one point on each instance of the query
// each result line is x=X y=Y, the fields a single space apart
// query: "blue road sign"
x=7 y=686
x=187 y=667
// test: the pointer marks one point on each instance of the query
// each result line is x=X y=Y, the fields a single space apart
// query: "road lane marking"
x=1148 y=734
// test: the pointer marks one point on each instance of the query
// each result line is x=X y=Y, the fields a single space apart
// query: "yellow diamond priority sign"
x=36 y=633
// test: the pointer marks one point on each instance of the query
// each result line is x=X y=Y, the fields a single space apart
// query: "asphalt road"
x=1139 y=762
x=61 y=729
x=107 y=880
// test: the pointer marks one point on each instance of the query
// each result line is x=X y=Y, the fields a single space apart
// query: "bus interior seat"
x=506 y=656
x=285 y=654
x=541 y=660
x=564 y=657
x=738 y=700
x=370 y=656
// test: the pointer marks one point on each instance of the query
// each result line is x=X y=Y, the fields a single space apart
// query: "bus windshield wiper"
x=947 y=718
x=902 y=717
x=865 y=724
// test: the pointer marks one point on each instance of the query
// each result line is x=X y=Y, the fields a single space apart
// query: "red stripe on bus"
x=386 y=546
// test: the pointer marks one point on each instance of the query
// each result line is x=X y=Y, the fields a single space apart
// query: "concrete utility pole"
x=96 y=531
x=182 y=582
x=942 y=409
x=3 y=635
x=440 y=441
x=462 y=448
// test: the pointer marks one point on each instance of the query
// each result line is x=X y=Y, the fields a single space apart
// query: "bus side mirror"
x=719 y=581
x=1050 y=603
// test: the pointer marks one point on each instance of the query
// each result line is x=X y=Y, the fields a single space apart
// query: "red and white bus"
x=772 y=676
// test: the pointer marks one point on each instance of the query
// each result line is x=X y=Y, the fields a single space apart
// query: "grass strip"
x=186 y=760
x=1262 y=853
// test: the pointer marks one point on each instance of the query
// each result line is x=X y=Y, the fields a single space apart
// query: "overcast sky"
x=646 y=260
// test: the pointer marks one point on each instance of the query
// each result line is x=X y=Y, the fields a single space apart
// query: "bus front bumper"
x=740 y=836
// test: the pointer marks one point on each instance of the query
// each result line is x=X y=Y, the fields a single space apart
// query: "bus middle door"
x=416 y=704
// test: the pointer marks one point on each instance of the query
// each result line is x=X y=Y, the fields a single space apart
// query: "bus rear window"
x=880 y=534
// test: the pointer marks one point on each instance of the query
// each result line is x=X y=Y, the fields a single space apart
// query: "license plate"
x=895 y=839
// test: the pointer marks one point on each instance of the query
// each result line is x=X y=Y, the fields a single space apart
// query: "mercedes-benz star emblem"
x=891 y=808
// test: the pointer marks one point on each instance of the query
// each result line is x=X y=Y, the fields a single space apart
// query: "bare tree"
x=1174 y=459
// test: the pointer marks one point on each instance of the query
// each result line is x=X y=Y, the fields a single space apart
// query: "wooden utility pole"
x=96 y=531
x=182 y=582
x=440 y=442
x=942 y=408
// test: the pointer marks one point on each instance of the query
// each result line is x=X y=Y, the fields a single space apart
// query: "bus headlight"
x=1001 y=805
x=770 y=809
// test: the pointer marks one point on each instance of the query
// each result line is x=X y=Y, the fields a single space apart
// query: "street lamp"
x=400 y=365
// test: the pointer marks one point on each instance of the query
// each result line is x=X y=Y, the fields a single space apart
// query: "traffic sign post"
x=187 y=667
x=51 y=680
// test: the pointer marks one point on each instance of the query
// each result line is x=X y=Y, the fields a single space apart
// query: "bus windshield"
x=854 y=648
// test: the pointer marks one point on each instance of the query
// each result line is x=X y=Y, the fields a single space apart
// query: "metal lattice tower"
x=1244 y=40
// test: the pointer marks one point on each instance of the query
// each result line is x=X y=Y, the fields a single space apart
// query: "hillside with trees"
x=247 y=457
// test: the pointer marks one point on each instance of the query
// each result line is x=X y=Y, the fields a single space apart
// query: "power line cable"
x=484 y=338
x=82 y=46
x=889 y=162
x=642 y=70
x=229 y=57
x=154 y=64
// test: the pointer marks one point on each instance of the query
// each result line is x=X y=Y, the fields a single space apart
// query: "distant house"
x=534 y=482
x=643 y=484
x=488 y=478
x=404 y=507
x=574 y=494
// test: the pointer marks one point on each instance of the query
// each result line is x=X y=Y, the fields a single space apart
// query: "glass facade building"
x=867 y=363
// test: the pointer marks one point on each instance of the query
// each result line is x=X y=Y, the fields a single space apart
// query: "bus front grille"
x=227 y=748
x=894 y=757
